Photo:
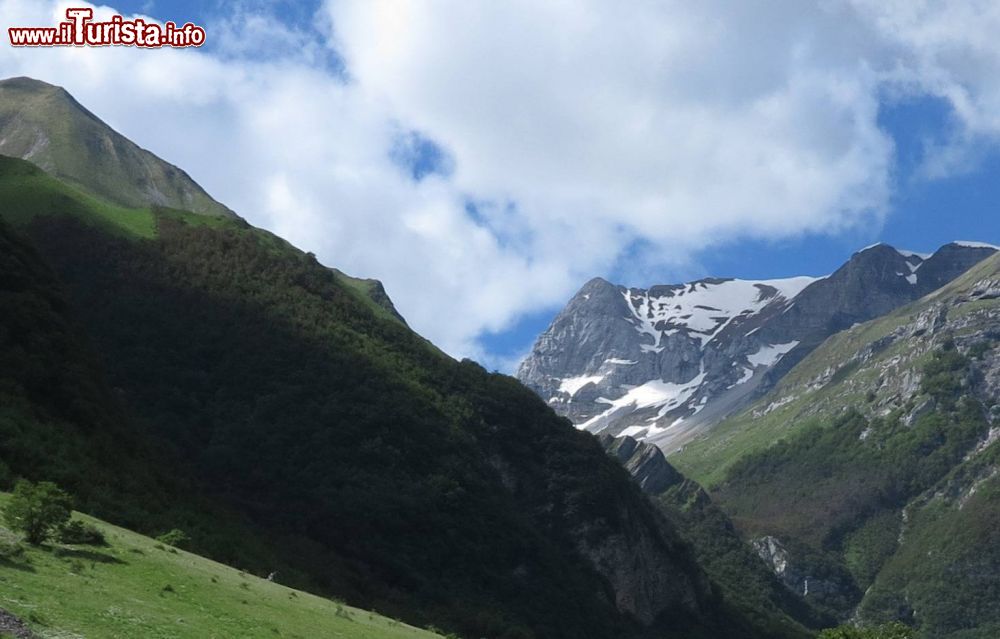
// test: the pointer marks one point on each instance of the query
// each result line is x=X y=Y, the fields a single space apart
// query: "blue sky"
x=203 y=11
x=485 y=159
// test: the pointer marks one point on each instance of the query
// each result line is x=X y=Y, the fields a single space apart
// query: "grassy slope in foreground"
x=135 y=587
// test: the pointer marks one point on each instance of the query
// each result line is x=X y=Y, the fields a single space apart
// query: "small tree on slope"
x=37 y=510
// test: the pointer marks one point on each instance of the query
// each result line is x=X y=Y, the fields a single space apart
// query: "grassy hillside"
x=136 y=587
x=27 y=191
x=943 y=577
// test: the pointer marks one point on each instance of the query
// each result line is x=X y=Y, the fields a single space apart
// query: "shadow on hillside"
x=22 y=565
x=87 y=555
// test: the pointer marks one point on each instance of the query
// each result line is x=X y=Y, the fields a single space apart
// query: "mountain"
x=44 y=124
x=869 y=476
x=665 y=364
x=176 y=369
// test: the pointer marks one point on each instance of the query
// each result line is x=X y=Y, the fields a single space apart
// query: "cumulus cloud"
x=555 y=137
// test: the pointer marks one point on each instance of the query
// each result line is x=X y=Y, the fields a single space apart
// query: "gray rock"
x=645 y=462
x=773 y=553
x=780 y=561
x=922 y=409
x=14 y=627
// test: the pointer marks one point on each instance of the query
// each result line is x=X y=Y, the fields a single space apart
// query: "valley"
x=744 y=459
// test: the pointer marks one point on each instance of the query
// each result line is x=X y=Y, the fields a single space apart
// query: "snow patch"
x=871 y=246
x=769 y=354
x=965 y=244
x=620 y=362
x=905 y=253
x=747 y=374
x=704 y=308
x=572 y=385
x=653 y=393
x=634 y=431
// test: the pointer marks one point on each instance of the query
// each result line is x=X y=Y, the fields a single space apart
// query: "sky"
x=485 y=159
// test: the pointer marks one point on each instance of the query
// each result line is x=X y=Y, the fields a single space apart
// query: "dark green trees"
x=893 y=630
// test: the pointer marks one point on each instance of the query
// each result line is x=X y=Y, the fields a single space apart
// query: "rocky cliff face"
x=755 y=581
x=645 y=462
x=665 y=363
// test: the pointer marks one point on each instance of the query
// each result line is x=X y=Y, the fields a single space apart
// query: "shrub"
x=77 y=532
x=979 y=349
x=37 y=510
x=943 y=375
x=10 y=549
x=176 y=537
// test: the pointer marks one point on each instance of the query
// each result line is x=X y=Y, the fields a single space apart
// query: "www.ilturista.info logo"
x=80 y=30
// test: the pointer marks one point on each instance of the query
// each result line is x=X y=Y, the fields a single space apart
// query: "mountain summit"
x=44 y=124
x=665 y=363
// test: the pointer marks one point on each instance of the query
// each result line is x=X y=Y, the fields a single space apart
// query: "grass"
x=27 y=191
x=135 y=587
x=366 y=290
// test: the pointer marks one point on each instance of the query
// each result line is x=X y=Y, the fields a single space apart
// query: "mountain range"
x=667 y=363
x=772 y=457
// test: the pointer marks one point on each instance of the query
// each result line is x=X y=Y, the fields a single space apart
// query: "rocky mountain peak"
x=45 y=125
x=665 y=363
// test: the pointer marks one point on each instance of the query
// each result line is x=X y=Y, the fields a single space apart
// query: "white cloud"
x=577 y=129
x=948 y=50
